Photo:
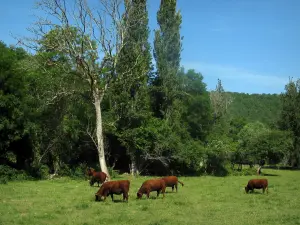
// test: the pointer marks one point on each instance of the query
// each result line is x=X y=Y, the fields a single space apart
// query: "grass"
x=203 y=200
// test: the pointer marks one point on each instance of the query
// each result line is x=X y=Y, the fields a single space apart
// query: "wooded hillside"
x=264 y=108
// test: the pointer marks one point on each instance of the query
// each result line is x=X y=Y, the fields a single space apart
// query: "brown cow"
x=172 y=181
x=257 y=184
x=152 y=185
x=98 y=177
x=113 y=187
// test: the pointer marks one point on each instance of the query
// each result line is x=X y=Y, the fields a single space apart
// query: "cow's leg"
x=158 y=193
x=125 y=196
x=172 y=188
x=176 y=187
x=148 y=194
x=163 y=191
x=112 y=196
x=98 y=183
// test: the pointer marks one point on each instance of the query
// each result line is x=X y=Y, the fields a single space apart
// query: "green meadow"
x=202 y=200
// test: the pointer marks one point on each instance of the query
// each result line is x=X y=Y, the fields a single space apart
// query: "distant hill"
x=255 y=107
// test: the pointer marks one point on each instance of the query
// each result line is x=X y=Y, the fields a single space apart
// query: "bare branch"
x=49 y=147
x=91 y=135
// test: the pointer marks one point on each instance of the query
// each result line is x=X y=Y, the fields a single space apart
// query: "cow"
x=148 y=186
x=113 y=187
x=172 y=181
x=257 y=184
x=98 y=177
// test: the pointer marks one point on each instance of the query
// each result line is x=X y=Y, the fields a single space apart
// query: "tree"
x=15 y=107
x=247 y=137
x=91 y=41
x=274 y=146
x=167 y=50
x=130 y=97
x=197 y=114
x=290 y=117
x=220 y=101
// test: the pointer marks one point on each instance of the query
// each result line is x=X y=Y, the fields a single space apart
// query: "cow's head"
x=139 y=195
x=97 y=197
x=89 y=171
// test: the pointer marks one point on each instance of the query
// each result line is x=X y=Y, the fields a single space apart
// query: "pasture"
x=202 y=200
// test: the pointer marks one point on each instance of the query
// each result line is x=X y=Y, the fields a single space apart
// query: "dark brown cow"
x=98 y=177
x=172 y=181
x=148 y=186
x=113 y=187
x=257 y=184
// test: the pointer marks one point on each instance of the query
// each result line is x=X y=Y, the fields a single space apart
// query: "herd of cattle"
x=159 y=185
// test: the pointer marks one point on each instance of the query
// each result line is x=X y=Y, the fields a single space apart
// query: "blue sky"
x=253 y=46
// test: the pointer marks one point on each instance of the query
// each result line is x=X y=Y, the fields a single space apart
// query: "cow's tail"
x=180 y=183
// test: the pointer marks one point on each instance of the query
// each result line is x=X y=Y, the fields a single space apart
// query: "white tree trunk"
x=99 y=133
x=133 y=167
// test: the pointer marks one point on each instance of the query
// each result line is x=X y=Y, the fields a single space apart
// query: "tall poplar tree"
x=167 y=50
x=130 y=91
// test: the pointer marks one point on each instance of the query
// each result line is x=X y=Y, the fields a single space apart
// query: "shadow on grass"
x=119 y=201
x=270 y=175
x=256 y=193
x=150 y=198
x=109 y=200
x=281 y=168
x=170 y=192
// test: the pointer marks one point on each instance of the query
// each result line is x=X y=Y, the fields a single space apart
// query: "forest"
x=84 y=92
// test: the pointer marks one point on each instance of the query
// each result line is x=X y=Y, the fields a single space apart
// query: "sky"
x=252 y=46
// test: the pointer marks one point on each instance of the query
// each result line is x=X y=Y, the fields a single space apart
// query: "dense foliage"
x=265 y=108
x=157 y=121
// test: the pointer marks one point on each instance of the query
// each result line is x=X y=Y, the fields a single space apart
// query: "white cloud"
x=238 y=79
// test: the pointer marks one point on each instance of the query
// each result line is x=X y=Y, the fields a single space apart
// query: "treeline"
x=87 y=98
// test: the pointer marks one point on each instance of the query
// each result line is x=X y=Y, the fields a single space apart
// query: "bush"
x=40 y=171
x=64 y=170
x=44 y=172
x=9 y=174
x=244 y=172
x=79 y=171
x=3 y=180
x=216 y=157
x=113 y=173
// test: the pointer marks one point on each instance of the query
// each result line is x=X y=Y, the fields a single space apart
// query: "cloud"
x=238 y=79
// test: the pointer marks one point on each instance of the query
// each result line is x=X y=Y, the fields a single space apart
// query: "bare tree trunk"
x=134 y=170
x=99 y=133
x=133 y=167
x=259 y=170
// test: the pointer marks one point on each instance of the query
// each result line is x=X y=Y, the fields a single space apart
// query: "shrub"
x=244 y=172
x=64 y=170
x=79 y=171
x=9 y=174
x=113 y=173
